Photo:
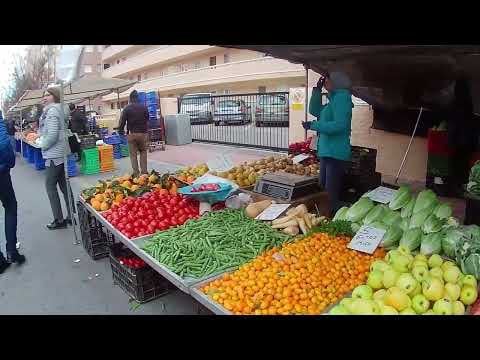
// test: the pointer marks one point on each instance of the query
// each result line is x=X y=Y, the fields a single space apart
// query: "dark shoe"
x=16 y=258
x=55 y=225
x=3 y=265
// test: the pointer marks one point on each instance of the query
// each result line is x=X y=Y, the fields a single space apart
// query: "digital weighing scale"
x=285 y=186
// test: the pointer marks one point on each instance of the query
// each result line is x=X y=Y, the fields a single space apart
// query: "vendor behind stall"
x=333 y=127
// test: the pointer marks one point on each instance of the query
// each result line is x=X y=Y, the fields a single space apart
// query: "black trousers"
x=9 y=202
x=332 y=172
x=56 y=175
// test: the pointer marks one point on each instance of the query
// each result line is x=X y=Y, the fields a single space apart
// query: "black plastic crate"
x=87 y=141
x=439 y=189
x=96 y=239
x=472 y=210
x=354 y=187
x=143 y=284
x=362 y=162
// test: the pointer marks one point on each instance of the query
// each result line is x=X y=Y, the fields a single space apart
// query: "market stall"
x=295 y=262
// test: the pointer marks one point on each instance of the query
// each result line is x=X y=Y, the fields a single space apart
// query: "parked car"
x=199 y=106
x=272 y=109
x=231 y=111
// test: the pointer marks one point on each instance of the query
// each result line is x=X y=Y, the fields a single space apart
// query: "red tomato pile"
x=132 y=262
x=151 y=212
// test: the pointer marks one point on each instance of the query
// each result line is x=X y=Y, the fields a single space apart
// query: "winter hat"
x=340 y=80
x=55 y=92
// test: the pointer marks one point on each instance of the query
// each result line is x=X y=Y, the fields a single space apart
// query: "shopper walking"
x=52 y=142
x=135 y=116
x=333 y=126
x=8 y=199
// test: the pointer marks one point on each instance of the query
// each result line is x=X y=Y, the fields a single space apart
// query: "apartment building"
x=175 y=70
x=90 y=64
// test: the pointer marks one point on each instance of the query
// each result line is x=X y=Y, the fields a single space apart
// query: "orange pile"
x=303 y=277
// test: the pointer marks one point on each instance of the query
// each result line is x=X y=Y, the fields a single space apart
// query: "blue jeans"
x=331 y=176
x=9 y=202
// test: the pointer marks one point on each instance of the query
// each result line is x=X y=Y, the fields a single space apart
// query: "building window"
x=139 y=77
x=112 y=106
x=89 y=48
x=87 y=69
x=99 y=67
x=213 y=61
x=144 y=76
x=226 y=58
x=124 y=59
x=197 y=65
x=99 y=108
x=106 y=66
x=118 y=61
x=262 y=89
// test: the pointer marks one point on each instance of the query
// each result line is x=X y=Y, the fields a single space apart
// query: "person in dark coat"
x=463 y=132
x=8 y=200
x=78 y=122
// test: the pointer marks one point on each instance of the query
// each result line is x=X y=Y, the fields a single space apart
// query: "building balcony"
x=115 y=50
x=242 y=71
x=153 y=58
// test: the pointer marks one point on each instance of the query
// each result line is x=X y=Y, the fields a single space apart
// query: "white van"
x=199 y=106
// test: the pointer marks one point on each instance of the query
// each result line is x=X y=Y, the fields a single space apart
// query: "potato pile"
x=246 y=174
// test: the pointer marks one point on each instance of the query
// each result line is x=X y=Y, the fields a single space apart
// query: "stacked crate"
x=106 y=158
x=90 y=162
x=361 y=175
x=438 y=162
x=72 y=168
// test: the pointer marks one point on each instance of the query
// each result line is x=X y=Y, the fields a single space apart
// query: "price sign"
x=382 y=194
x=299 y=158
x=367 y=239
x=272 y=212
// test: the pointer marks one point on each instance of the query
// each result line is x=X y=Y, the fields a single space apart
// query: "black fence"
x=258 y=120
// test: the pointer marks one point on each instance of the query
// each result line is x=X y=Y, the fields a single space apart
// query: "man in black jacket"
x=78 y=122
x=135 y=116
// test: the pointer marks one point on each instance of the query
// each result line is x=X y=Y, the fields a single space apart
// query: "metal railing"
x=259 y=120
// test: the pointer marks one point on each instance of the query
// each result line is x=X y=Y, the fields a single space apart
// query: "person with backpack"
x=8 y=200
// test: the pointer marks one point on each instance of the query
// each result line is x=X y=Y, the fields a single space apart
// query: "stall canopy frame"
x=88 y=87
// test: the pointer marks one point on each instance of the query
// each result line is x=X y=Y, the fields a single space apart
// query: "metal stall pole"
x=409 y=145
x=65 y=165
x=21 y=133
x=89 y=104
x=306 y=100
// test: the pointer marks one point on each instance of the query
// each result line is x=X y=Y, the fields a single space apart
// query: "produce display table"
x=136 y=246
x=203 y=299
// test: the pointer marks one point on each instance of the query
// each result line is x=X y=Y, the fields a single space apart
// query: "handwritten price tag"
x=367 y=239
x=382 y=194
x=299 y=158
x=272 y=212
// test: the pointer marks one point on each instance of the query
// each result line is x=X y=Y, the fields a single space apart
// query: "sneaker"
x=16 y=258
x=3 y=265
x=55 y=225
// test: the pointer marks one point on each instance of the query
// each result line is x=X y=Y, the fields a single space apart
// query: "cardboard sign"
x=367 y=239
x=299 y=158
x=382 y=194
x=272 y=212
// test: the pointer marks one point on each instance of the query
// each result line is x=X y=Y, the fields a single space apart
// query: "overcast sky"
x=6 y=62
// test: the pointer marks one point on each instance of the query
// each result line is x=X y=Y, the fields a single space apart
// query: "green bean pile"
x=217 y=242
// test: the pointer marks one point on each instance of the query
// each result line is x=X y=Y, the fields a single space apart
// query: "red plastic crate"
x=437 y=143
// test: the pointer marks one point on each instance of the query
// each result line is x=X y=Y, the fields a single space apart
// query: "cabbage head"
x=431 y=244
x=359 y=210
x=412 y=238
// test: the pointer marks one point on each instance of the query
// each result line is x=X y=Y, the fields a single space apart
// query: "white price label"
x=272 y=212
x=220 y=163
x=299 y=158
x=367 y=239
x=382 y=194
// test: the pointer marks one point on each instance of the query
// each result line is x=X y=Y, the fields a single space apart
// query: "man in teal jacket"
x=333 y=127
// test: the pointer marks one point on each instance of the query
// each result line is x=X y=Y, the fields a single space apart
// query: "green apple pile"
x=403 y=284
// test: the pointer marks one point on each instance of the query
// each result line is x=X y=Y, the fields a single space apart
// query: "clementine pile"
x=302 y=277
